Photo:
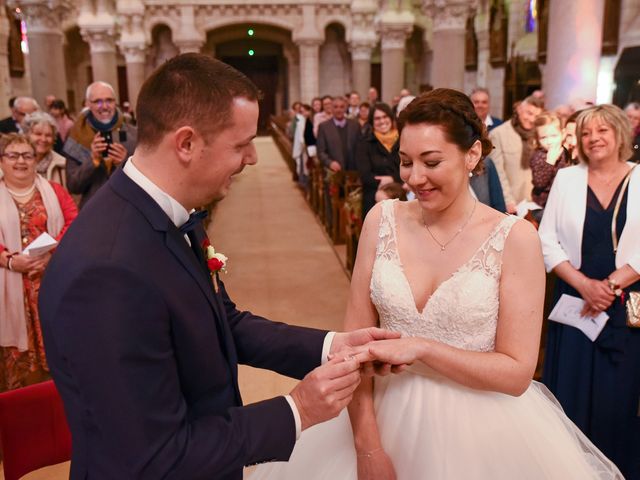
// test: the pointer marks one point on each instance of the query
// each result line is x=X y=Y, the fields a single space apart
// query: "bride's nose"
x=418 y=175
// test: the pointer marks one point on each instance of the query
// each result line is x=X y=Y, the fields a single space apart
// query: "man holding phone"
x=98 y=143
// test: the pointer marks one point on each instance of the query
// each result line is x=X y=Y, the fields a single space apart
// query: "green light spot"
x=251 y=53
x=250 y=32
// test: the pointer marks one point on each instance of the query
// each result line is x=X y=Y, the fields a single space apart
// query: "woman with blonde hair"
x=41 y=129
x=589 y=235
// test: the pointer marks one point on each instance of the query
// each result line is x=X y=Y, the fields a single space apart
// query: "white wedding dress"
x=436 y=429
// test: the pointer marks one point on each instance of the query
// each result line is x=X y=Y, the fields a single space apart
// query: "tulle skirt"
x=435 y=429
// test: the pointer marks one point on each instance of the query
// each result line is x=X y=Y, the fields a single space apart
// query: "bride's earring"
x=470 y=174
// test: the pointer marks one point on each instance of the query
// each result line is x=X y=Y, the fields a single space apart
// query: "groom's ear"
x=185 y=144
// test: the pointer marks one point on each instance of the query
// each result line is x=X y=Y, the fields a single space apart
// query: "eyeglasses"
x=100 y=102
x=14 y=156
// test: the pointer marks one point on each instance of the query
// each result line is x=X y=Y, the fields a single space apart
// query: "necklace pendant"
x=442 y=247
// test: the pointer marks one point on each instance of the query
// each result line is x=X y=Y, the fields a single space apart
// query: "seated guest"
x=597 y=382
x=40 y=127
x=64 y=121
x=633 y=114
x=299 y=150
x=99 y=142
x=29 y=206
x=377 y=155
x=316 y=105
x=22 y=106
x=485 y=185
x=354 y=105
x=547 y=159
x=482 y=105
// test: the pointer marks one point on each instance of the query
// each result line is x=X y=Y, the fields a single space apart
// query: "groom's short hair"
x=194 y=90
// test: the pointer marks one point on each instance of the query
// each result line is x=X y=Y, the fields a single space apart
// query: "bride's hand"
x=403 y=351
x=375 y=466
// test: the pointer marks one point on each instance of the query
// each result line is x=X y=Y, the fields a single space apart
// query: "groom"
x=142 y=340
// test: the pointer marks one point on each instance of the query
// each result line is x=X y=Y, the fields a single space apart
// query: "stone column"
x=133 y=46
x=99 y=31
x=395 y=28
x=449 y=26
x=5 y=85
x=136 y=59
x=309 y=68
x=46 y=51
x=361 y=68
x=573 y=51
x=188 y=38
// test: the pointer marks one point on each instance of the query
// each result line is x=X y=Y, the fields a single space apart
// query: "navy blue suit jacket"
x=145 y=353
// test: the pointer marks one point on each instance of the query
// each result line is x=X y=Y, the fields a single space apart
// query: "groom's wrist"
x=296 y=415
x=326 y=347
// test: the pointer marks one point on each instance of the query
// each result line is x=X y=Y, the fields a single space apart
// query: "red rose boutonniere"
x=216 y=261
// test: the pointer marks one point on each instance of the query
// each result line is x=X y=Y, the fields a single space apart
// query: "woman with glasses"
x=29 y=206
x=377 y=155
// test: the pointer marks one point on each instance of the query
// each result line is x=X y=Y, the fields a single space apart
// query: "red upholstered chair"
x=33 y=429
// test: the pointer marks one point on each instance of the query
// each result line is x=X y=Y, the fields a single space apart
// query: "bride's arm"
x=511 y=366
x=360 y=314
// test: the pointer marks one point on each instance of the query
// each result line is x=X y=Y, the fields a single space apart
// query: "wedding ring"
x=349 y=357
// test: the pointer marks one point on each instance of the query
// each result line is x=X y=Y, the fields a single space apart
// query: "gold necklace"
x=443 y=246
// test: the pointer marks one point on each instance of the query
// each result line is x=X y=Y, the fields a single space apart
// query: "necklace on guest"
x=443 y=246
x=22 y=194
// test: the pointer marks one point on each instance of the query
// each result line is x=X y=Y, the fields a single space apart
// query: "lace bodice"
x=462 y=311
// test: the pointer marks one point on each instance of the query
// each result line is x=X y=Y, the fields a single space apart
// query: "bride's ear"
x=473 y=155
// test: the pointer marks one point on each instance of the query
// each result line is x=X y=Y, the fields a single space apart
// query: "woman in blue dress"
x=597 y=383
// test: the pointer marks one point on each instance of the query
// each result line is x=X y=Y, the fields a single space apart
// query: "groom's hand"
x=325 y=391
x=356 y=338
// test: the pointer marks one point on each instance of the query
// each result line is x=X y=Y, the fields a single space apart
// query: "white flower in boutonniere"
x=216 y=261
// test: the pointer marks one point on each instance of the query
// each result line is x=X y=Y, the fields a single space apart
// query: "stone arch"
x=335 y=19
x=335 y=76
x=77 y=59
x=161 y=45
x=212 y=23
x=156 y=20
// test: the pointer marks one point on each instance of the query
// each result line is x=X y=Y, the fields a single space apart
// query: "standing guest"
x=354 y=105
x=48 y=101
x=363 y=118
x=64 y=122
x=316 y=105
x=29 y=206
x=513 y=146
x=324 y=115
x=40 y=128
x=481 y=100
x=377 y=155
x=597 y=383
x=299 y=150
x=292 y=114
x=129 y=115
x=569 y=139
x=337 y=139
x=485 y=185
x=22 y=106
x=372 y=95
x=391 y=191
x=547 y=159
x=633 y=114
x=98 y=143
x=142 y=338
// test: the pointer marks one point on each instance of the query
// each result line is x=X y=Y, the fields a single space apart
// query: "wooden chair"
x=33 y=429
x=353 y=225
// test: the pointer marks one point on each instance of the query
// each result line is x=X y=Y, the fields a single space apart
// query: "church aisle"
x=281 y=264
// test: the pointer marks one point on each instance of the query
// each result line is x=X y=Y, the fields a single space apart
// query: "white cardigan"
x=563 y=220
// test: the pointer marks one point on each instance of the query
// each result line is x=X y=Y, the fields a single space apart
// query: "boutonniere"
x=216 y=261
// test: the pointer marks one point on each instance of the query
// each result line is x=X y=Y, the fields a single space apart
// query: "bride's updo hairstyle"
x=454 y=113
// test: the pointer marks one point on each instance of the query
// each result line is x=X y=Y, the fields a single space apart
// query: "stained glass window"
x=532 y=16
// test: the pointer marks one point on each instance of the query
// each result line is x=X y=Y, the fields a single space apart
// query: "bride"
x=464 y=284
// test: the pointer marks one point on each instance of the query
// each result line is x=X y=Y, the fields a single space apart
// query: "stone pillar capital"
x=42 y=16
x=308 y=42
x=394 y=36
x=361 y=50
x=189 y=45
x=133 y=52
x=448 y=15
x=99 y=31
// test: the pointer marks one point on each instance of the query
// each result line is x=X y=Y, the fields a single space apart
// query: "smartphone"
x=122 y=136
x=109 y=140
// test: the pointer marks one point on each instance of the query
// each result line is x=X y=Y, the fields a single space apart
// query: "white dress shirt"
x=179 y=215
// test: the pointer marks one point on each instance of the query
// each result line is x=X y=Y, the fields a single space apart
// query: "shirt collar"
x=488 y=121
x=169 y=205
x=340 y=123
